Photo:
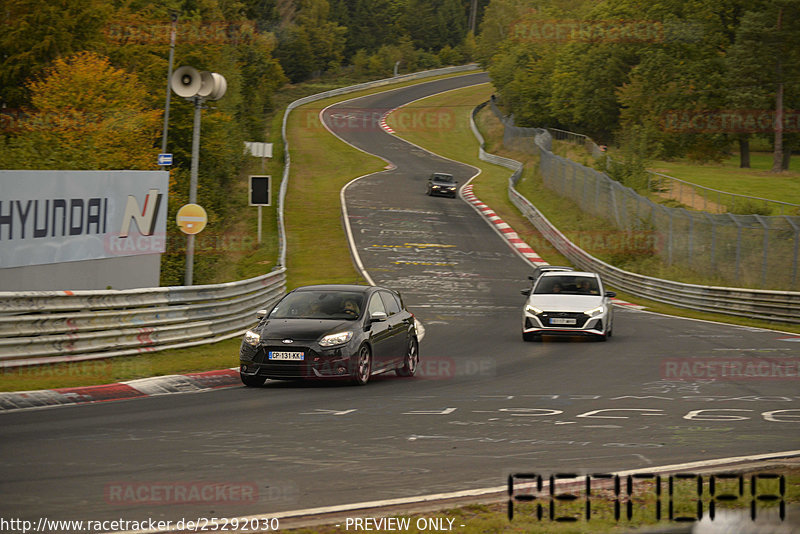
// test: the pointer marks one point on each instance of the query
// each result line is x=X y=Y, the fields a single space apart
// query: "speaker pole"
x=198 y=106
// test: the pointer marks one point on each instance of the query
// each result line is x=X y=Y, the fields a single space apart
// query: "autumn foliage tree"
x=85 y=114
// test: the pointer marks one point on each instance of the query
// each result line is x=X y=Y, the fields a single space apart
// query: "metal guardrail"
x=780 y=306
x=39 y=327
x=754 y=250
x=47 y=327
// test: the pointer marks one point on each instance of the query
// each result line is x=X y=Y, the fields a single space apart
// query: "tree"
x=370 y=23
x=764 y=61
x=311 y=42
x=85 y=114
x=35 y=32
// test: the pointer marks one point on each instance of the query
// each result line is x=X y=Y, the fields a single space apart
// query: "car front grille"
x=287 y=368
x=546 y=319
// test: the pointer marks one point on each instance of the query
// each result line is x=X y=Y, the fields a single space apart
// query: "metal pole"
x=691 y=236
x=669 y=240
x=473 y=16
x=259 y=225
x=713 y=239
x=169 y=77
x=198 y=106
x=796 y=246
x=764 y=261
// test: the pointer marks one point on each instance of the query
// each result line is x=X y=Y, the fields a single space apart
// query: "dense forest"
x=83 y=82
x=672 y=78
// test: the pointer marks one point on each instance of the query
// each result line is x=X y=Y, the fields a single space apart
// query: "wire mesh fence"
x=750 y=250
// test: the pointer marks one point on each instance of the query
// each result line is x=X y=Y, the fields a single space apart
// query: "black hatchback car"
x=331 y=331
x=441 y=183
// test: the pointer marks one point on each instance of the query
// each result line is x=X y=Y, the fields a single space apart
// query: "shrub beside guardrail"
x=779 y=306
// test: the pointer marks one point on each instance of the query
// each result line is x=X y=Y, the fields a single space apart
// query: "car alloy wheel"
x=411 y=360
x=363 y=368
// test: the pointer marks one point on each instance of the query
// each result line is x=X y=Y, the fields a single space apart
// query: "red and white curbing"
x=513 y=238
x=384 y=125
x=133 y=389
x=508 y=232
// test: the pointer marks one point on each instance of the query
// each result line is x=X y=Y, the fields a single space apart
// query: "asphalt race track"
x=484 y=404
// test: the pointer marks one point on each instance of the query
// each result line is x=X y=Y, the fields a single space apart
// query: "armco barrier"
x=779 y=306
x=47 y=327
x=39 y=327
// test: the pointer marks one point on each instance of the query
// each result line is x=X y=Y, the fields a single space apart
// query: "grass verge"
x=756 y=181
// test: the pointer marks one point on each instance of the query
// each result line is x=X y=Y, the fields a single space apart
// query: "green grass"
x=321 y=166
x=220 y=355
x=726 y=176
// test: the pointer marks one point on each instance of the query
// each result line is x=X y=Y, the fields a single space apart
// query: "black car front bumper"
x=317 y=363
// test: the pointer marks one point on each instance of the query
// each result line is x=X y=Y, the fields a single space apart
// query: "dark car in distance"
x=331 y=332
x=443 y=184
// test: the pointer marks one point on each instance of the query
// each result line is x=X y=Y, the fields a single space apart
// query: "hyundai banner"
x=60 y=216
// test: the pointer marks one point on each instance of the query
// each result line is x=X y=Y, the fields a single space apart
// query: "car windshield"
x=443 y=178
x=567 y=285
x=319 y=305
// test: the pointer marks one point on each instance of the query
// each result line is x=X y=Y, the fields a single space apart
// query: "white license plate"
x=279 y=355
x=561 y=320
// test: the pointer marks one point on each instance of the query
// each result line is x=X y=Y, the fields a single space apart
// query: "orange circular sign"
x=191 y=219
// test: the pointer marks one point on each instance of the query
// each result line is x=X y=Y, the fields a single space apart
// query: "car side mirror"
x=377 y=316
x=260 y=314
x=531 y=278
x=610 y=294
x=526 y=292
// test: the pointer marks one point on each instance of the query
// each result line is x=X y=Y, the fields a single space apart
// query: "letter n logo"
x=146 y=219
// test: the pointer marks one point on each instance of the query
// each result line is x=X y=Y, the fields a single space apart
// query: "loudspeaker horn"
x=186 y=82
x=220 y=86
x=206 y=84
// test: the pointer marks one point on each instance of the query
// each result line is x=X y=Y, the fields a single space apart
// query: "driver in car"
x=350 y=308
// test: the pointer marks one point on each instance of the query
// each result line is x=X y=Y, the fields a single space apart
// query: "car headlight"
x=335 y=339
x=594 y=312
x=533 y=310
x=252 y=338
